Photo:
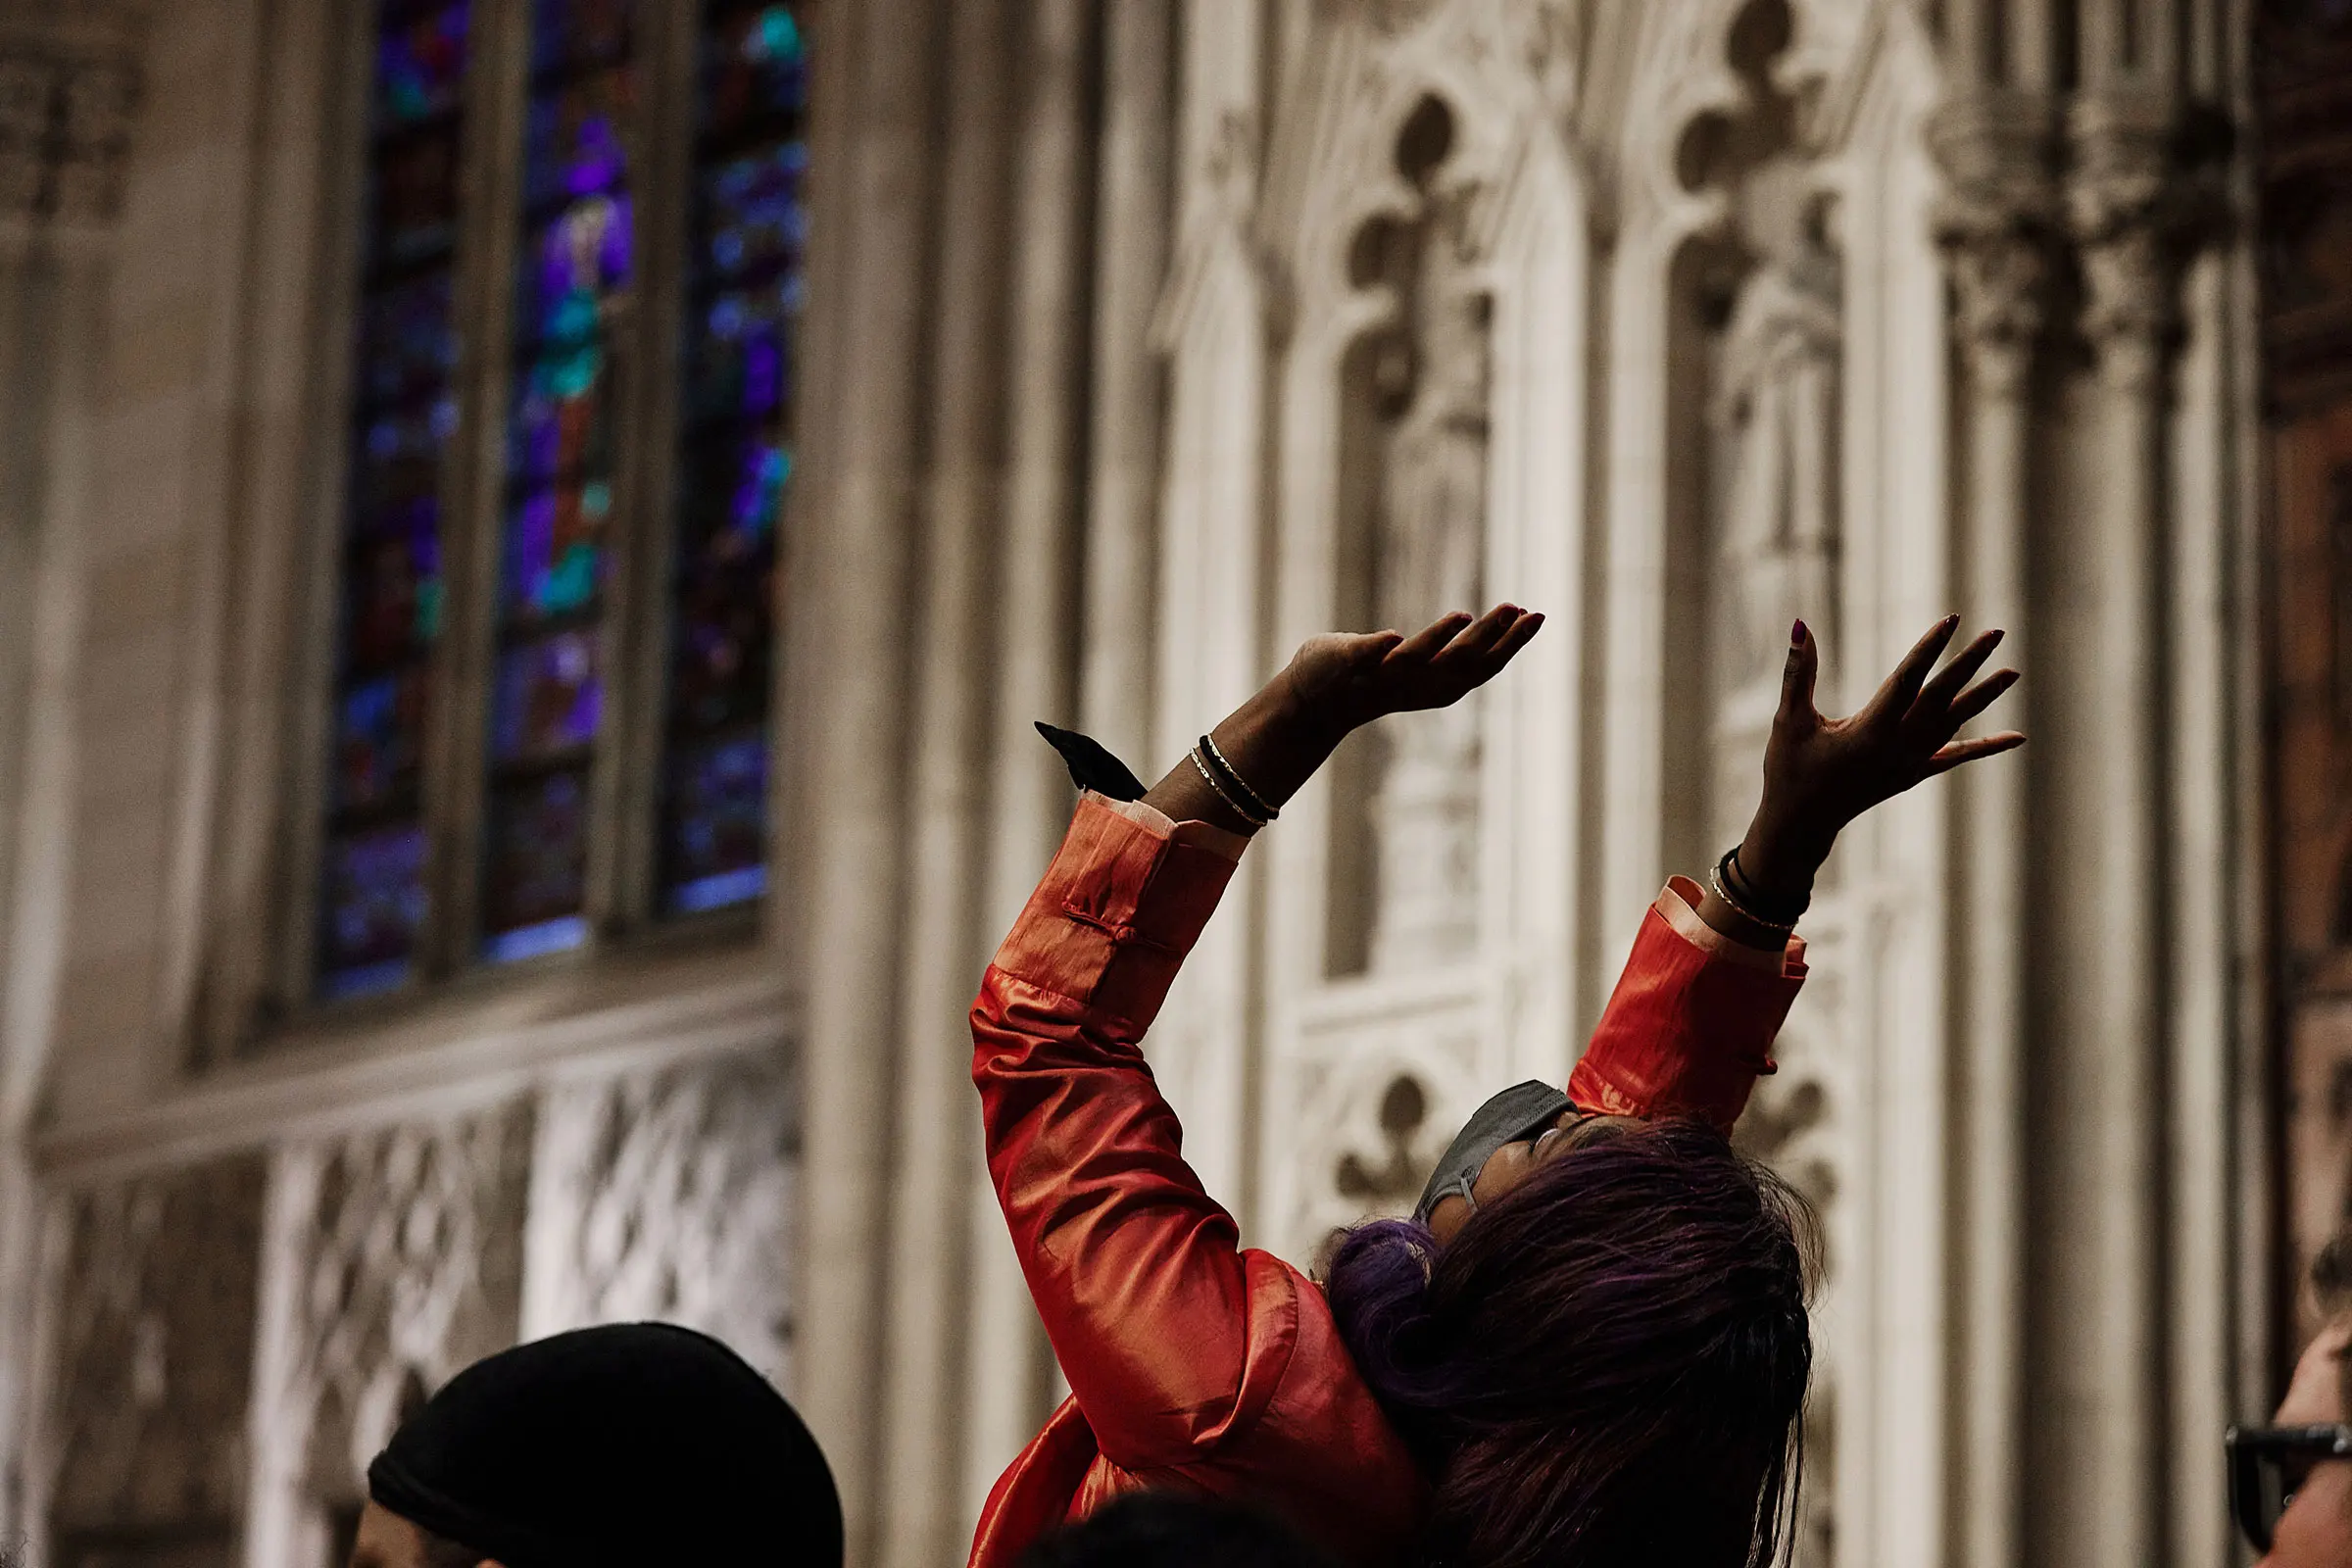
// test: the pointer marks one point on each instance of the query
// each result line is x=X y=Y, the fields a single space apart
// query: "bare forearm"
x=1271 y=741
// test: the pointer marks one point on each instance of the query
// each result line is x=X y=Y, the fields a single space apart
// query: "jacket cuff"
x=1123 y=902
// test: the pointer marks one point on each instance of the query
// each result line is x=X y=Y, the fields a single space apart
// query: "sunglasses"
x=2268 y=1466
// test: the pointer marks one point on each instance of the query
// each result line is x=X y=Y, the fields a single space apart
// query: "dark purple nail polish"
x=1797 y=635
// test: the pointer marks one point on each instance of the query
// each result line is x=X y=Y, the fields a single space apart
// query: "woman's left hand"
x=1820 y=774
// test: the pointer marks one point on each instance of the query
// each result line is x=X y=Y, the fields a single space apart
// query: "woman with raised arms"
x=1589 y=1344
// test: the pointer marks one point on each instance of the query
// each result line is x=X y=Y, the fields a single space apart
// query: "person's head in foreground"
x=1163 y=1529
x=1604 y=1365
x=2291 y=1482
x=627 y=1445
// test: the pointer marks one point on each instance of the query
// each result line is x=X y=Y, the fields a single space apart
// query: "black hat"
x=621 y=1445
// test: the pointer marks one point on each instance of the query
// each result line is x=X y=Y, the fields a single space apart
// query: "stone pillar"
x=852 y=572
x=1036 y=603
x=928 y=1304
x=63 y=134
x=2103 y=1013
x=1995 y=225
x=1130 y=246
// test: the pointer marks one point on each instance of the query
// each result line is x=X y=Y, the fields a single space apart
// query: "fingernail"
x=1797 y=635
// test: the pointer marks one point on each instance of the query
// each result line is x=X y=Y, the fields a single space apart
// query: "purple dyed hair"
x=1606 y=1367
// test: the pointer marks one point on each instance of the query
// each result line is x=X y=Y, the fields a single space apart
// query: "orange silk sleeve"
x=1689 y=1028
x=1134 y=1267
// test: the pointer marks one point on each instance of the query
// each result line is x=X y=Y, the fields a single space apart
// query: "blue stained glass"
x=537 y=866
x=576 y=139
x=419 y=66
x=372 y=908
x=718 y=827
x=379 y=740
x=555 y=551
x=550 y=697
x=372 y=894
x=746 y=254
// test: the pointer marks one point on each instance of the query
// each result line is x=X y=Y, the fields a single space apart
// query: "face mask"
x=1520 y=1112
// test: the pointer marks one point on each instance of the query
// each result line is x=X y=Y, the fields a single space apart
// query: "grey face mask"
x=1520 y=1112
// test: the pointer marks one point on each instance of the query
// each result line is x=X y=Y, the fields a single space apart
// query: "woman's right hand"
x=1342 y=682
x=1334 y=683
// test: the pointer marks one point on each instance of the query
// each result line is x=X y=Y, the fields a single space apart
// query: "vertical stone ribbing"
x=1995 y=225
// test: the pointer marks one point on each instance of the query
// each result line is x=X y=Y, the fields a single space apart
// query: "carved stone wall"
x=670 y=1195
x=150 y=1290
x=394 y=1259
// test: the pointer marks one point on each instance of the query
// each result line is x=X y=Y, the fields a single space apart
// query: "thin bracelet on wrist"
x=1785 y=910
x=1716 y=878
x=1210 y=778
x=1232 y=775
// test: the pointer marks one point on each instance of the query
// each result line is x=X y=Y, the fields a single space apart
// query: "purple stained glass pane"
x=717 y=816
x=549 y=699
x=555 y=550
x=755 y=67
x=419 y=64
x=379 y=739
x=576 y=141
x=572 y=35
x=373 y=905
x=536 y=870
x=408 y=341
x=570 y=266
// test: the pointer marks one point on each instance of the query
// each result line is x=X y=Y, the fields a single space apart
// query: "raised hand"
x=1821 y=773
x=1336 y=683
x=1346 y=680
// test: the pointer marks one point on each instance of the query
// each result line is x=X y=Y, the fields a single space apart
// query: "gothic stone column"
x=1995 y=223
x=2103 y=1012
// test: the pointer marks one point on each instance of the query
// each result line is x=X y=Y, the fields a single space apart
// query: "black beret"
x=625 y=1446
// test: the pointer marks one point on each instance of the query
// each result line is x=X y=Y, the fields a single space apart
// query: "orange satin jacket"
x=1193 y=1363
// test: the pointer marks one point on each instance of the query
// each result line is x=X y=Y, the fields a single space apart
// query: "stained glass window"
x=575 y=270
x=560 y=606
x=373 y=899
x=745 y=283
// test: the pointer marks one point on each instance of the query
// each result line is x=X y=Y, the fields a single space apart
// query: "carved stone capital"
x=2135 y=209
x=1996 y=221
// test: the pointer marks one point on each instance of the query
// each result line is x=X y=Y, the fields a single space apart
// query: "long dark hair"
x=1607 y=1366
